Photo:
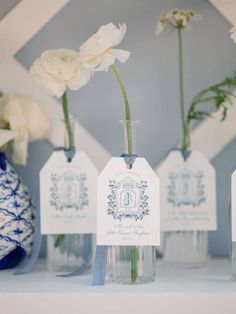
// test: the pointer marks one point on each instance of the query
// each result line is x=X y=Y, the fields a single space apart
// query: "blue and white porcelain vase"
x=16 y=217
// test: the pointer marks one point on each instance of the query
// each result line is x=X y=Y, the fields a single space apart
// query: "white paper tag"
x=188 y=193
x=233 y=206
x=68 y=195
x=128 y=209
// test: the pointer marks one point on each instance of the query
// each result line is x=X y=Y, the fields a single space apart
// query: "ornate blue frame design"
x=186 y=188
x=127 y=199
x=69 y=190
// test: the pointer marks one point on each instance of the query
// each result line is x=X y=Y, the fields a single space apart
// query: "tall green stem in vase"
x=68 y=126
x=127 y=111
x=69 y=143
x=128 y=125
x=185 y=127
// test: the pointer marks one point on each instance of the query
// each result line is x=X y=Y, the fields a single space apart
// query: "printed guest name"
x=130 y=230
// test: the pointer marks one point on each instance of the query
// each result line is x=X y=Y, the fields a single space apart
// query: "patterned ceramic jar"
x=16 y=217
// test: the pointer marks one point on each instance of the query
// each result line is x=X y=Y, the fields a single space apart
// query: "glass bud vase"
x=185 y=248
x=131 y=264
x=68 y=252
x=74 y=251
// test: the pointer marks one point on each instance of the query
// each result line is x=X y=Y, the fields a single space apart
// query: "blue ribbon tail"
x=36 y=249
x=100 y=265
x=86 y=255
x=77 y=272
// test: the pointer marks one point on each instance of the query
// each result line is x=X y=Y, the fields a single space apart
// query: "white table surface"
x=175 y=291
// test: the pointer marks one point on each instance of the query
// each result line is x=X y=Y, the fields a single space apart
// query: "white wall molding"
x=227 y=8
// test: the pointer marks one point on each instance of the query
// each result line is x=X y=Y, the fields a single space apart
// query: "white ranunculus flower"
x=98 y=52
x=233 y=33
x=22 y=120
x=57 y=70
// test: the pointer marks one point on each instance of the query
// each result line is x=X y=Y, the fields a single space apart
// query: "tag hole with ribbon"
x=129 y=160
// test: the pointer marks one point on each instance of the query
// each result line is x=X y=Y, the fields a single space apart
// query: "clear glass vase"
x=185 y=248
x=120 y=264
x=131 y=264
x=75 y=251
x=68 y=252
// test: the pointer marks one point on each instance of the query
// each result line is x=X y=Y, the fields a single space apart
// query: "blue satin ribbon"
x=100 y=262
x=100 y=265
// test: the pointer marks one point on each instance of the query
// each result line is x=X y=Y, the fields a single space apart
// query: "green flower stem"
x=134 y=263
x=67 y=122
x=133 y=249
x=59 y=240
x=70 y=144
x=185 y=127
x=127 y=111
x=218 y=94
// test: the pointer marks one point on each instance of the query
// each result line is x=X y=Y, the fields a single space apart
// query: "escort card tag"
x=68 y=195
x=128 y=204
x=188 y=193
x=233 y=205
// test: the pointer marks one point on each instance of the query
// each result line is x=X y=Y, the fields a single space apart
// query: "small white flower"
x=22 y=120
x=57 y=70
x=98 y=52
x=177 y=19
x=160 y=27
x=233 y=33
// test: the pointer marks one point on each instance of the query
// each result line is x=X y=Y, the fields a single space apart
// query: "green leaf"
x=220 y=95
